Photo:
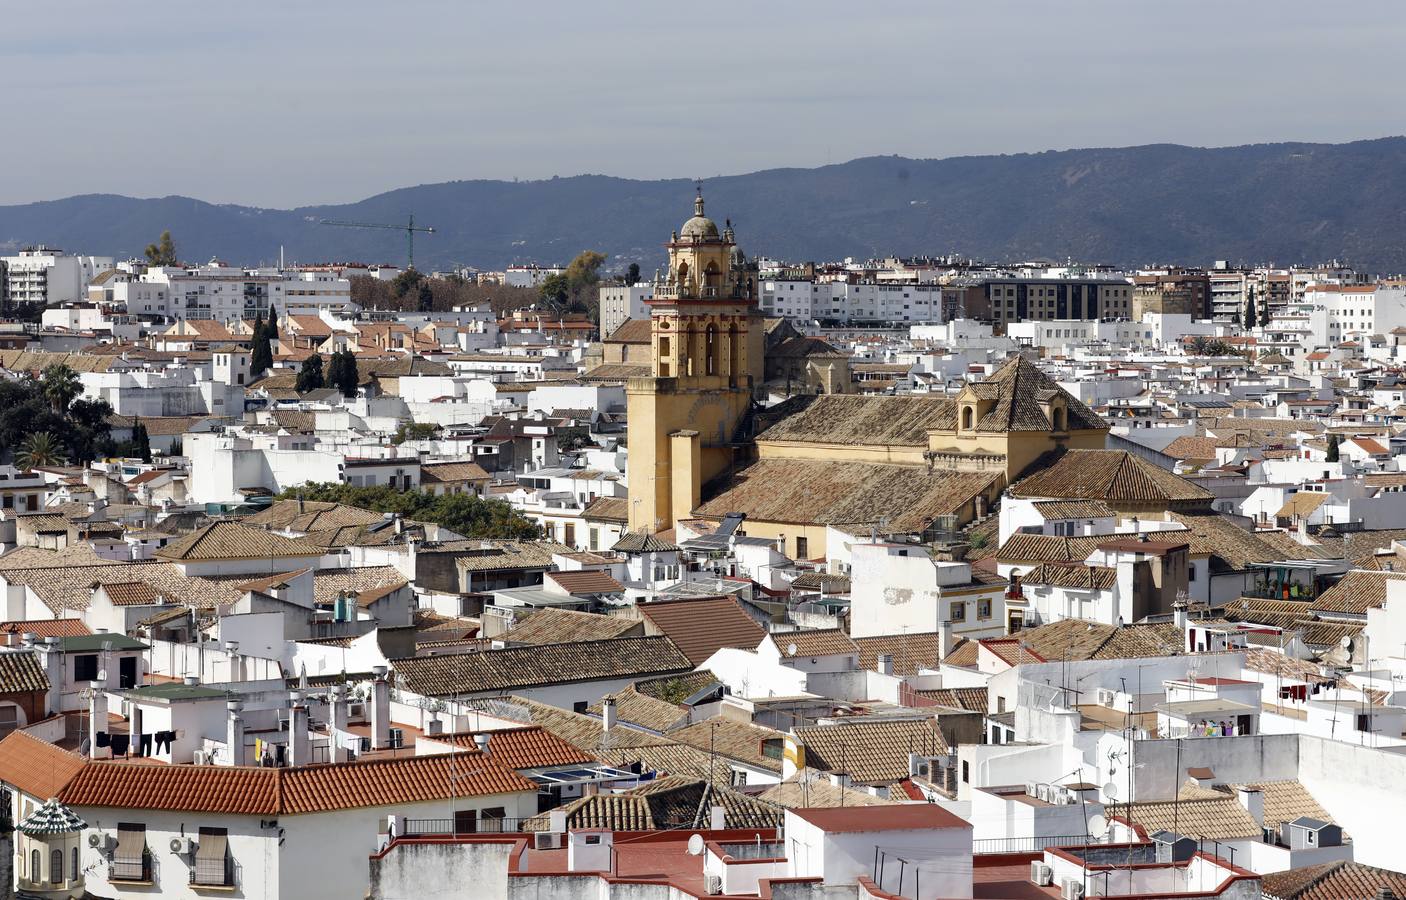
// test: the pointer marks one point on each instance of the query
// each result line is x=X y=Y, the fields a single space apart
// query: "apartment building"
x=47 y=276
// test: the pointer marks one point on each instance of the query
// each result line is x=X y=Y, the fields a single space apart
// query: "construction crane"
x=410 y=228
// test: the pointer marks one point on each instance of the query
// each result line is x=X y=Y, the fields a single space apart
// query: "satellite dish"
x=102 y=675
x=695 y=845
x=1098 y=825
x=1110 y=790
x=791 y=649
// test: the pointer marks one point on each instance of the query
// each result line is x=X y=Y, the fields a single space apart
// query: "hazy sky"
x=304 y=101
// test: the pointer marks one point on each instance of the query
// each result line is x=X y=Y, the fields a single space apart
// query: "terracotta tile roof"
x=452 y=473
x=1072 y=575
x=1073 y=509
x=586 y=581
x=701 y=627
x=972 y=699
x=676 y=688
x=645 y=711
x=1114 y=476
x=42 y=628
x=1217 y=819
x=559 y=626
x=871 y=751
x=1301 y=503
x=489 y=556
x=820 y=492
x=812 y=792
x=814 y=642
x=21 y=672
x=963 y=655
x=368 y=583
x=1192 y=447
x=910 y=652
x=270 y=792
x=849 y=419
x=665 y=804
x=36 y=767
x=69 y=588
x=586 y=731
x=309 y=515
x=1032 y=548
x=631 y=331
x=1356 y=592
x=131 y=593
x=643 y=542
x=608 y=509
x=1078 y=639
x=26 y=558
x=514 y=668
x=1332 y=881
x=742 y=742
x=1272 y=662
x=530 y=747
x=232 y=540
x=1217 y=536
x=1021 y=391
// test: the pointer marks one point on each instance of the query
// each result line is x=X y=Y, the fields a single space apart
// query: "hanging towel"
x=119 y=744
x=102 y=739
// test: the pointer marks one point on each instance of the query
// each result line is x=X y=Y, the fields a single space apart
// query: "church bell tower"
x=707 y=354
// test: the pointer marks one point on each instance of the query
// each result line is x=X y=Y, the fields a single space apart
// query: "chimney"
x=840 y=779
x=1253 y=801
x=340 y=713
x=27 y=639
x=97 y=719
x=299 y=744
x=944 y=639
x=1179 y=614
x=234 y=732
x=885 y=664
x=236 y=662
x=481 y=741
x=608 y=714
x=380 y=709
x=717 y=818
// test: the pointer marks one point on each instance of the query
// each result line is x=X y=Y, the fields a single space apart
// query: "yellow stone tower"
x=707 y=355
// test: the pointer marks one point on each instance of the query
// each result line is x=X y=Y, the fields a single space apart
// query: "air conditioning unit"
x=1044 y=792
x=1032 y=789
x=180 y=846
x=101 y=840
x=1064 y=798
x=1041 y=874
x=546 y=840
x=203 y=758
x=1104 y=696
x=1071 y=889
x=713 y=885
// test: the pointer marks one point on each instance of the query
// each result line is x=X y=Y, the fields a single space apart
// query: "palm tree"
x=61 y=385
x=39 y=449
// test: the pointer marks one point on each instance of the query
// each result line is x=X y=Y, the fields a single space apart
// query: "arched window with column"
x=734 y=349
x=1059 y=419
x=56 y=866
x=710 y=349
x=968 y=417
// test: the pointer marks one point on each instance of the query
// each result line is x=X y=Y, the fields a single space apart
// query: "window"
x=802 y=548
x=211 y=857
x=579 y=706
x=85 y=667
x=594 y=539
x=465 y=821
x=129 y=860
x=73 y=867
x=34 y=870
x=983 y=609
x=1191 y=573
x=958 y=611
x=492 y=818
x=9 y=719
x=570 y=534
x=966 y=772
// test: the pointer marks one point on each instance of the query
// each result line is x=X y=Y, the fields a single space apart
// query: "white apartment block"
x=49 y=276
x=857 y=303
x=224 y=293
x=1338 y=313
x=619 y=302
x=530 y=276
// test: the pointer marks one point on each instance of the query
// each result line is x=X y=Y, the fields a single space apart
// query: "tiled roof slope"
x=806 y=491
x=1356 y=592
x=702 y=627
x=1019 y=389
x=668 y=803
x=232 y=540
x=1341 y=880
x=36 y=767
x=739 y=741
x=850 y=419
x=1114 y=476
x=910 y=652
x=514 y=668
x=871 y=752
x=251 y=791
x=22 y=672
x=558 y=626
x=308 y=515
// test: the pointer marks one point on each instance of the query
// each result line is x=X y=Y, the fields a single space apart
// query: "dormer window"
x=968 y=417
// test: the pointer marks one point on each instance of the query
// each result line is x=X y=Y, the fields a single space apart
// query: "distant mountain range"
x=1281 y=203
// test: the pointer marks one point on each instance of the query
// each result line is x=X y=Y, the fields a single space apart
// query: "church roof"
x=699 y=227
x=850 y=419
x=1113 y=476
x=1019 y=388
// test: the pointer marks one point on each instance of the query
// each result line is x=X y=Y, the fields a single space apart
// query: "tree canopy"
x=80 y=428
x=310 y=375
x=261 y=355
x=466 y=514
x=163 y=252
x=342 y=372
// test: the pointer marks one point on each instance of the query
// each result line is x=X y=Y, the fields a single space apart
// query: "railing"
x=214 y=873
x=424 y=827
x=131 y=870
x=1028 y=845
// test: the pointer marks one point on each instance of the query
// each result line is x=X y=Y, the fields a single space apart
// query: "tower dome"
x=700 y=227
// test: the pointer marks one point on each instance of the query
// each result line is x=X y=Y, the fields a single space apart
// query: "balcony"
x=132 y=870
x=214 y=874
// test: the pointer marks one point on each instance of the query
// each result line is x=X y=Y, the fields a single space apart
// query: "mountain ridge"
x=1287 y=202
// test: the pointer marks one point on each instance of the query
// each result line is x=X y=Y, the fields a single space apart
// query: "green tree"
x=163 y=252
x=1251 y=313
x=632 y=274
x=342 y=372
x=61 y=385
x=403 y=283
x=555 y=294
x=310 y=375
x=584 y=270
x=178 y=447
x=141 y=442
x=414 y=431
x=466 y=514
x=424 y=298
x=39 y=449
x=261 y=356
x=89 y=429
x=1334 y=447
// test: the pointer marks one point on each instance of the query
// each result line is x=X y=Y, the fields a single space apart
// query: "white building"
x=49 y=276
x=621 y=302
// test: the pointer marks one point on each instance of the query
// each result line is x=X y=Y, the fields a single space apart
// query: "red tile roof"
x=532 y=747
x=36 y=767
x=701 y=627
x=586 y=582
x=42 y=628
